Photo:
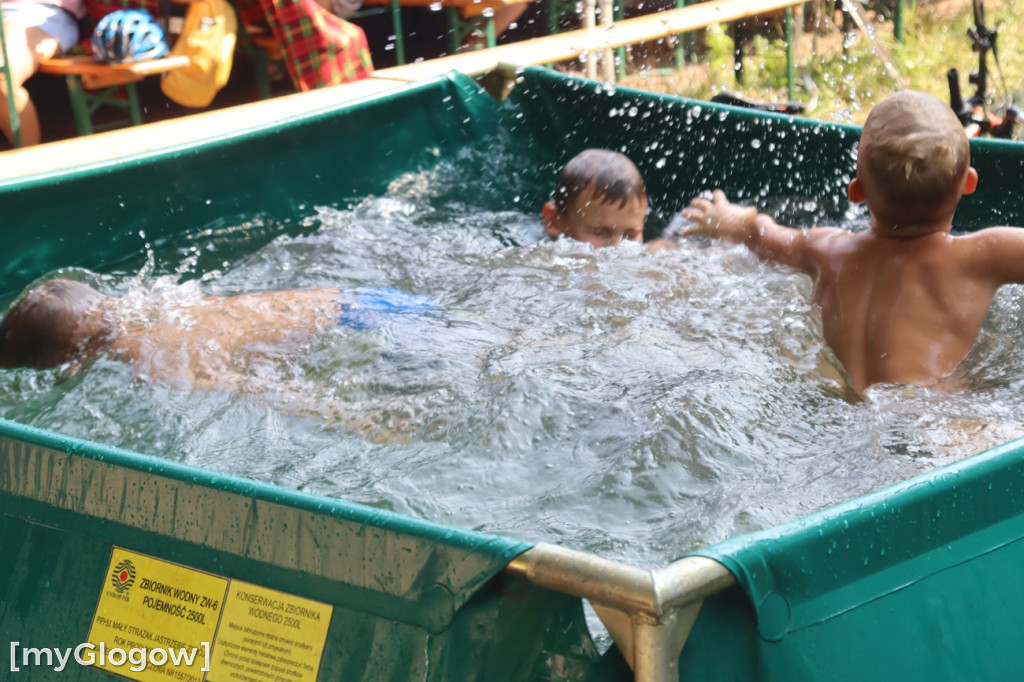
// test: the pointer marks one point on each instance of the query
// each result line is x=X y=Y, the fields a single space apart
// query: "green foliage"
x=719 y=51
x=843 y=74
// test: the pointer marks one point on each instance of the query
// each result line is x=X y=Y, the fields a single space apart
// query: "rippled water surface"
x=631 y=405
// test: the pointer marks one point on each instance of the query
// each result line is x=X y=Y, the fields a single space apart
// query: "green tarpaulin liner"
x=684 y=147
x=96 y=215
x=914 y=582
x=411 y=600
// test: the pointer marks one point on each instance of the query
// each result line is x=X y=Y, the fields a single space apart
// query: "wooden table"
x=92 y=85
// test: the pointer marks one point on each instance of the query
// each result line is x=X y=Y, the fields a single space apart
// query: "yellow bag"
x=208 y=40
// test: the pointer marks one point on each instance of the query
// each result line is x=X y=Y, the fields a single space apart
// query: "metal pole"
x=79 y=107
x=551 y=15
x=620 y=53
x=490 y=36
x=790 y=69
x=897 y=21
x=652 y=611
x=454 y=28
x=396 y=26
x=11 y=106
x=658 y=645
x=589 y=22
x=608 y=56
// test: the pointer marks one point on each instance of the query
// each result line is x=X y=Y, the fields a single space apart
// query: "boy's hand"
x=757 y=231
x=719 y=218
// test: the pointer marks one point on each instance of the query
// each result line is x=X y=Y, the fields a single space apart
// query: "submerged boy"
x=904 y=301
x=600 y=199
x=193 y=342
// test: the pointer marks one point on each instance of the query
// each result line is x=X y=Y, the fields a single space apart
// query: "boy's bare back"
x=205 y=342
x=904 y=301
x=904 y=310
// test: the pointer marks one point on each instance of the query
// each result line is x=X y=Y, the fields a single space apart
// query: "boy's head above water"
x=51 y=325
x=913 y=164
x=600 y=199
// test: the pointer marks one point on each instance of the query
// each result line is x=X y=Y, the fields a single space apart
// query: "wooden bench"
x=92 y=85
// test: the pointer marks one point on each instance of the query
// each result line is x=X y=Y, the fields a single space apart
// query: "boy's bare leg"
x=25 y=49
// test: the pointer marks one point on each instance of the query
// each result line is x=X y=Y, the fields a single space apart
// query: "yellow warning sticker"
x=155 y=620
x=268 y=636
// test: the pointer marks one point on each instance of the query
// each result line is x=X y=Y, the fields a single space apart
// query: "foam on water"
x=630 y=405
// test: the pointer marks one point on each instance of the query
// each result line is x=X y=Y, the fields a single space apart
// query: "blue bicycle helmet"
x=127 y=35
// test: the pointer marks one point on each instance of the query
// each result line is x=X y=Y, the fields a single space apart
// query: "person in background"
x=33 y=31
x=341 y=8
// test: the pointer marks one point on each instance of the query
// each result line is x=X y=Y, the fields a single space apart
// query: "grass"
x=841 y=75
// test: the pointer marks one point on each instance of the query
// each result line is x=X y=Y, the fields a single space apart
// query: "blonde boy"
x=904 y=301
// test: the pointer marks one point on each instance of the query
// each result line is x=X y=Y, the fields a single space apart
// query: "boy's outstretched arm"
x=744 y=225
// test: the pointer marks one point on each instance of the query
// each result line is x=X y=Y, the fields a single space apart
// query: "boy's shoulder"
x=995 y=234
x=999 y=244
x=825 y=238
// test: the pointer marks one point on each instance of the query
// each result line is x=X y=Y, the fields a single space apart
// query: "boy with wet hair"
x=903 y=301
x=51 y=325
x=195 y=341
x=600 y=199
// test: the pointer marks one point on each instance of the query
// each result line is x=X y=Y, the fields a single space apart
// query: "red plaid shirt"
x=320 y=48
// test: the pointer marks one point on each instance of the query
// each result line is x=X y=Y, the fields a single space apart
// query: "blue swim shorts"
x=365 y=308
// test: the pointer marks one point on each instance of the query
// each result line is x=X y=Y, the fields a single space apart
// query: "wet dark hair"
x=39 y=330
x=612 y=175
